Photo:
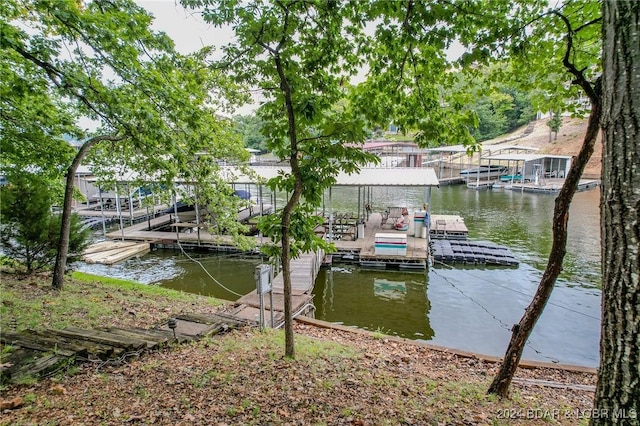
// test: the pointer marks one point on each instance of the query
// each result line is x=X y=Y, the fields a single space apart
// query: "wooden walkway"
x=304 y=271
x=38 y=353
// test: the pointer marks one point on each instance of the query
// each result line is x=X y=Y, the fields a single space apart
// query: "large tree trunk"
x=286 y=273
x=522 y=330
x=617 y=399
x=65 y=227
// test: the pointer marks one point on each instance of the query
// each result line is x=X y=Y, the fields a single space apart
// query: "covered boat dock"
x=354 y=234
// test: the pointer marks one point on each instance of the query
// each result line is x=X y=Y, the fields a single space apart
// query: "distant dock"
x=543 y=186
x=553 y=186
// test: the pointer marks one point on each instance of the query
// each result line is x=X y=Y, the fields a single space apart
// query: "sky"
x=187 y=29
x=190 y=33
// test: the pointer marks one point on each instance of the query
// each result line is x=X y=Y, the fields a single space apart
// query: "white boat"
x=484 y=172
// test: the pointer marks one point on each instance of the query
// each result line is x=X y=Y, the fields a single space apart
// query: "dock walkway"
x=304 y=271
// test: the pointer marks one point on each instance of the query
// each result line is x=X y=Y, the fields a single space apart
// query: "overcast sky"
x=185 y=27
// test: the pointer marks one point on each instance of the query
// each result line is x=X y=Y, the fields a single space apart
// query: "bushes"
x=28 y=228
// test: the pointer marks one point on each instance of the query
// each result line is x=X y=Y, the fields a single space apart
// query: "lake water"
x=463 y=307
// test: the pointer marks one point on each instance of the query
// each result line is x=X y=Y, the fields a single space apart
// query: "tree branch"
x=580 y=79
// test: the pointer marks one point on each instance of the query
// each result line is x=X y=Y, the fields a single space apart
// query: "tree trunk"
x=617 y=399
x=288 y=209
x=65 y=226
x=286 y=274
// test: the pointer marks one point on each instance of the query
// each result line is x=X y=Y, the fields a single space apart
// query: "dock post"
x=262 y=275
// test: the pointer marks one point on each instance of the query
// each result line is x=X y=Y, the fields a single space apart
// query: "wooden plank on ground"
x=82 y=347
x=41 y=365
x=199 y=318
x=151 y=343
x=41 y=344
x=250 y=313
x=154 y=335
x=557 y=385
x=100 y=337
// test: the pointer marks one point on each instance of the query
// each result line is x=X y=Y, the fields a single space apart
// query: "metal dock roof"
x=395 y=176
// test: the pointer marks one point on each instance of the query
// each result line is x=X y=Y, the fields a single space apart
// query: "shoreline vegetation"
x=242 y=377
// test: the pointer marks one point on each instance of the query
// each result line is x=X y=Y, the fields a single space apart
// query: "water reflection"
x=393 y=302
x=389 y=290
x=486 y=302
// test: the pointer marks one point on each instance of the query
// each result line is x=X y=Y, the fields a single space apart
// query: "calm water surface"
x=468 y=308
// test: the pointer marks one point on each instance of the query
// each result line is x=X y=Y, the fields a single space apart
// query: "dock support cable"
x=205 y=270
x=557 y=305
x=196 y=261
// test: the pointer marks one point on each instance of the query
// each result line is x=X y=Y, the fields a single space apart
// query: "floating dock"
x=451 y=227
x=553 y=185
x=361 y=249
x=110 y=252
x=471 y=252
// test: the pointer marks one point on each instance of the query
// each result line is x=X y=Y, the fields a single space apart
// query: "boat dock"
x=366 y=250
x=162 y=231
x=544 y=185
x=552 y=185
x=354 y=241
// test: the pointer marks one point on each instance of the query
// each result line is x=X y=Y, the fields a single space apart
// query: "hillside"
x=569 y=141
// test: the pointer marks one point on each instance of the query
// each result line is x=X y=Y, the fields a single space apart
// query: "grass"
x=86 y=301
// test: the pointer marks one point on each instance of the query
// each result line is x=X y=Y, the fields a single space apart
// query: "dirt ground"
x=337 y=378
